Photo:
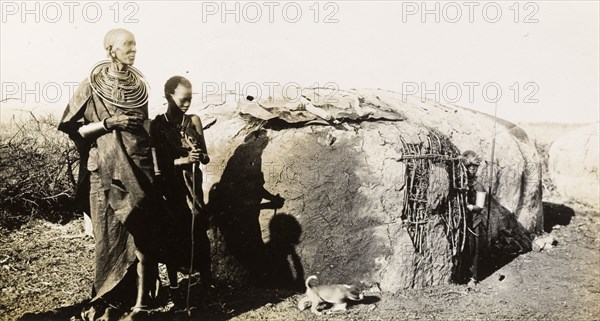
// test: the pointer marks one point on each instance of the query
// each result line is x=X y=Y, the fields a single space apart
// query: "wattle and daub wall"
x=343 y=192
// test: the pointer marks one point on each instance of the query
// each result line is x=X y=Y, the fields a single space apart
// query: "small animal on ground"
x=336 y=294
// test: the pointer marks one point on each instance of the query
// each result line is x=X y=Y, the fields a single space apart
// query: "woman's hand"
x=127 y=122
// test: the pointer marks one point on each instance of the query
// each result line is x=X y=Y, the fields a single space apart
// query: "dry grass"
x=37 y=163
x=46 y=272
x=44 y=265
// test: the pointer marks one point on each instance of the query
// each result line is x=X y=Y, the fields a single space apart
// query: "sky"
x=538 y=61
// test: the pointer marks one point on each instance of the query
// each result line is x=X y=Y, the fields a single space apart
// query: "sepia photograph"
x=299 y=160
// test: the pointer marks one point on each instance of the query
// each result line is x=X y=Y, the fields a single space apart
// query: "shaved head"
x=113 y=35
x=120 y=46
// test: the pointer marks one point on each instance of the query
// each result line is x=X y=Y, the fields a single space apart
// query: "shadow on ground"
x=504 y=239
x=223 y=303
x=556 y=214
x=368 y=299
x=504 y=250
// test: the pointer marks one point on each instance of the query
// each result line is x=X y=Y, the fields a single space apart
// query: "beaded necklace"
x=126 y=89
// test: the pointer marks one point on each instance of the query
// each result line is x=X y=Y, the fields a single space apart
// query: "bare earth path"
x=45 y=266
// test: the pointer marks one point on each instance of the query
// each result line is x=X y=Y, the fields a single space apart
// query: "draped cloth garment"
x=122 y=202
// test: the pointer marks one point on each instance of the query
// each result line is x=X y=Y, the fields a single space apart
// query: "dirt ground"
x=46 y=273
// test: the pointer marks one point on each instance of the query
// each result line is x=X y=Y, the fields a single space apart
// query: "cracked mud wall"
x=517 y=168
x=345 y=189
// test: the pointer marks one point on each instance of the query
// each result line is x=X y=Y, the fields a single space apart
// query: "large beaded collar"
x=124 y=89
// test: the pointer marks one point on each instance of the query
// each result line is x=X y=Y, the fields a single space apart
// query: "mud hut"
x=356 y=186
x=573 y=160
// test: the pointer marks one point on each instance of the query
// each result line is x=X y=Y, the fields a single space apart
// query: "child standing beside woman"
x=179 y=144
